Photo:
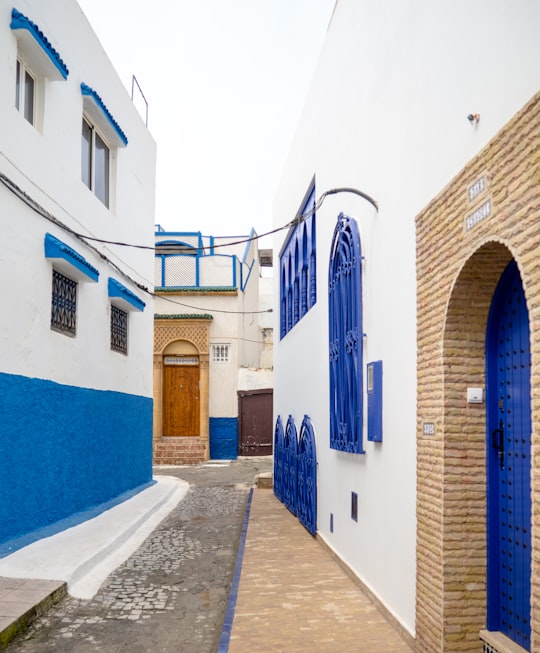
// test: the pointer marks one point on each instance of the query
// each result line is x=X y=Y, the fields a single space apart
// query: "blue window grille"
x=345 y=337
x=298 y=279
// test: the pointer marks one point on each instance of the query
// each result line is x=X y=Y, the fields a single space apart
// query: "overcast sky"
x=225 y=81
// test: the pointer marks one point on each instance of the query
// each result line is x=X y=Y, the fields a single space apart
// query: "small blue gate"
x=307 y=477
x=279 y=437
x=290 y=445
x=295 y=470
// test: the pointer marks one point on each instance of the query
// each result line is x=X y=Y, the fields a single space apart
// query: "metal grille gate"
x=295 y=470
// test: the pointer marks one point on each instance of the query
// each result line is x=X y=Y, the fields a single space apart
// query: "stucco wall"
x=387 y=114
x=76 y=416
x=458 y=269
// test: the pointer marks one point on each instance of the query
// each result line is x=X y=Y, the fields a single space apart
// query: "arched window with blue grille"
x=345 y=337
x=297 y=259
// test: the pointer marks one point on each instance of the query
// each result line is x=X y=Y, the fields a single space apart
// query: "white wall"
x=387 y=114
x=45 y=162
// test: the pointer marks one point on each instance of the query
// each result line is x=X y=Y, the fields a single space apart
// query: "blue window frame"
x=298 y=274
x=345 y=337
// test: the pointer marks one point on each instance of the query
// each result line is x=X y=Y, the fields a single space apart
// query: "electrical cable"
x=295 y=221
x=213 y=310
x=37 y=208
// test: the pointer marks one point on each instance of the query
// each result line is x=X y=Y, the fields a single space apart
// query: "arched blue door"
x=307 y=477
x=289 y=466
x=509 y=461
x=279 y=437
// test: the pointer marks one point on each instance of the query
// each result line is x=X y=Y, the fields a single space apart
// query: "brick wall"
x=489 y=213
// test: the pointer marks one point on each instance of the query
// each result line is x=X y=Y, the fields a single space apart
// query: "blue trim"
x=75 y=450
x=179 y=243
x=248 y=244
x=87 y=91
x=374 y=401
x=226 y=631
x=20 y=21
x=234 y=266
x=56 y=249
x=243 y=285
x=163 y=259
x=116 y=289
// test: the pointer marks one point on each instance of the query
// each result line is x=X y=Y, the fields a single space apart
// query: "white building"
x=209 y=351
x=405 y=94
x=76 y=172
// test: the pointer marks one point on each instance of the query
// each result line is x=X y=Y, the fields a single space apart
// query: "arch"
x=181 y=348
x=182 y=336
x=307 y=477
x=166 y=247
x=463 y=452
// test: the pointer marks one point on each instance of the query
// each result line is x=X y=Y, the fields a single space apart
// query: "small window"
x=220 y=353
x=119 y=330
x=64 y=304
x=95 y=162
x=25 y=92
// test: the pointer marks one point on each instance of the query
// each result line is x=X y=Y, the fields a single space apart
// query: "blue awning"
x=100 y=114
x=37 y=47
x=126 y=299
x=68 y=260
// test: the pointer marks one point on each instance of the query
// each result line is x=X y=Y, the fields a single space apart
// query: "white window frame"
x=221 y=352
x=89 y=174
x=21 y=101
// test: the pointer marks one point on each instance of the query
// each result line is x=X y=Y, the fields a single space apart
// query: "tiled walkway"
x=293 y=596
x=21 y=600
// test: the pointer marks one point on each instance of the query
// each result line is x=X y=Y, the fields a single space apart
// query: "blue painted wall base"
x=65 y=450
x=224 y=438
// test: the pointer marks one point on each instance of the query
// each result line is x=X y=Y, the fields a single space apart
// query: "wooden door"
x=181 y=416
x=255 y=427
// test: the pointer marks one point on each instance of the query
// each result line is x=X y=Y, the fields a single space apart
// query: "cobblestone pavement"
x=171 y=594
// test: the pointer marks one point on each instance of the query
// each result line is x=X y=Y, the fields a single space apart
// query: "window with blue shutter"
x=345 y=337
x=298 y=282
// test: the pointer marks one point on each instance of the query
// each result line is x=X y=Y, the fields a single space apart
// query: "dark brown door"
x=255 y=422
x=181 y=400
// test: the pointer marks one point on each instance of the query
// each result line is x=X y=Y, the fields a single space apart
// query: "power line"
x=37 y=208
x=295 y=221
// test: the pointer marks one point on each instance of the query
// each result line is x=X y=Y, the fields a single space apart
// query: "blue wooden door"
x=509 y=461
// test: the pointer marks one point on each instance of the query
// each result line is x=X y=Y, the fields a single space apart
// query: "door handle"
x=497 y=440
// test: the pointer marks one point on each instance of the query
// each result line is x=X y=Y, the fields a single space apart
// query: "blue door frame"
x=509 y=461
